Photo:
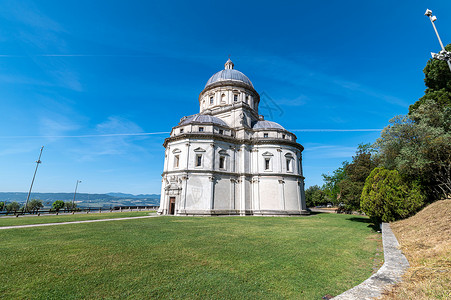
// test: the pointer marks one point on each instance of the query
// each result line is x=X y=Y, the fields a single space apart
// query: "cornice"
x=233 y=174
x=233 y=140
x=232 y=83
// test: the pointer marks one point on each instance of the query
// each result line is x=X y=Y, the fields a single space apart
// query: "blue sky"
x=75 y=74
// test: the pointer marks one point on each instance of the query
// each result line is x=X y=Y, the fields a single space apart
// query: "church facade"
x=228 y=160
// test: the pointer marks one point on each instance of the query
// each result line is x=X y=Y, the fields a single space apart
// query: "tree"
x=387 y=197
x=331 y=188
x=13 y=206
x=2 y=206
x=313 y=195
x=419 y=147
x=438 y=82
x=355 y=175
x=350 y=192
x=70 y=205
x=57 y=205
x=319 y=198
x=34 y=205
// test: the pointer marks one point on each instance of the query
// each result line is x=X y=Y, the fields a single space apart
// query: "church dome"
x=263 y=124
x=229 y=73
x=199 y=118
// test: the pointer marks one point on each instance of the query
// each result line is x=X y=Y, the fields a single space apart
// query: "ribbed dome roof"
x=199 y=118
x=263 y=124
x=229 y=74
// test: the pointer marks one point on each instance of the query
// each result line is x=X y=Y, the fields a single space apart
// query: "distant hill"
x=84 y=199
x=140 y=196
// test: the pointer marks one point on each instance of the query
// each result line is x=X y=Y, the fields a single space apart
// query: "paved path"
x=322 y=210
x=395 y=264
x=75 y=222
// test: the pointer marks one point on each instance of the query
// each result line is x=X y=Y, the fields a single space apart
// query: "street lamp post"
x=75 y=193
x=442 y=55
x=32 y=181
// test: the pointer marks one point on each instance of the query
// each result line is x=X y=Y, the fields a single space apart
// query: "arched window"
x=289 y=162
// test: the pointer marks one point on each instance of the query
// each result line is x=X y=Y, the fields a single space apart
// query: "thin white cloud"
x=356 y=87
x=33 y=27
x=116 y=124
x=97 y=55
x=40 y=33
x=81 y=55
x=86 y=135
x=68 y=79
x=336 y=130
x=298 y=101
x=116 y=136
x=27 y=13
x=17 y=148
x=14 y=79
x=168 y=132
x=297 y=74
x=328 y=151
x=56 y=125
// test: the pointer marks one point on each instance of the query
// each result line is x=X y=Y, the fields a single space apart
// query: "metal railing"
x=79 y=210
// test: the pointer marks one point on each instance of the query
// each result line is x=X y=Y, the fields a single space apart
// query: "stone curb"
x=74 y=222
x=395 y=264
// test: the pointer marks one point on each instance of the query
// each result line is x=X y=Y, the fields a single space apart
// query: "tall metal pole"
x=433 y=19
x=76 y=186
x=436 y=32
x=32 y=181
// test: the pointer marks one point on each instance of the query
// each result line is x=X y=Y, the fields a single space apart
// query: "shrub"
x=70 y=206
x=387 y=197
x=34 y=205
x=57 y=205
x=12 y=206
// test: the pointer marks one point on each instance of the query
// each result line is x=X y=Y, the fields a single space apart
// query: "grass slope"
x=426 y=242
x=189 y=258
x=34 y=219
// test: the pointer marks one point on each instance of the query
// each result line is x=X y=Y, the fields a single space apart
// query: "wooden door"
x=171 y=205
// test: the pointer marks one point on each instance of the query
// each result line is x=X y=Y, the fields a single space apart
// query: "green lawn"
x=189 y=258
x=34 y=219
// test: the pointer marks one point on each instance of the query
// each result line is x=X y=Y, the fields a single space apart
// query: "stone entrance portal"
x=171 y=205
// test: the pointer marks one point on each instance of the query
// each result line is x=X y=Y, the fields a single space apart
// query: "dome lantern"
x=229 y=64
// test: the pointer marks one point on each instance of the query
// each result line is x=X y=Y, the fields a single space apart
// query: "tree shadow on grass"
x=314 y=213
x=368 y=221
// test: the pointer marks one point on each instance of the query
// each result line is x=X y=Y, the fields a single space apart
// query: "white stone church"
x=228 y=160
